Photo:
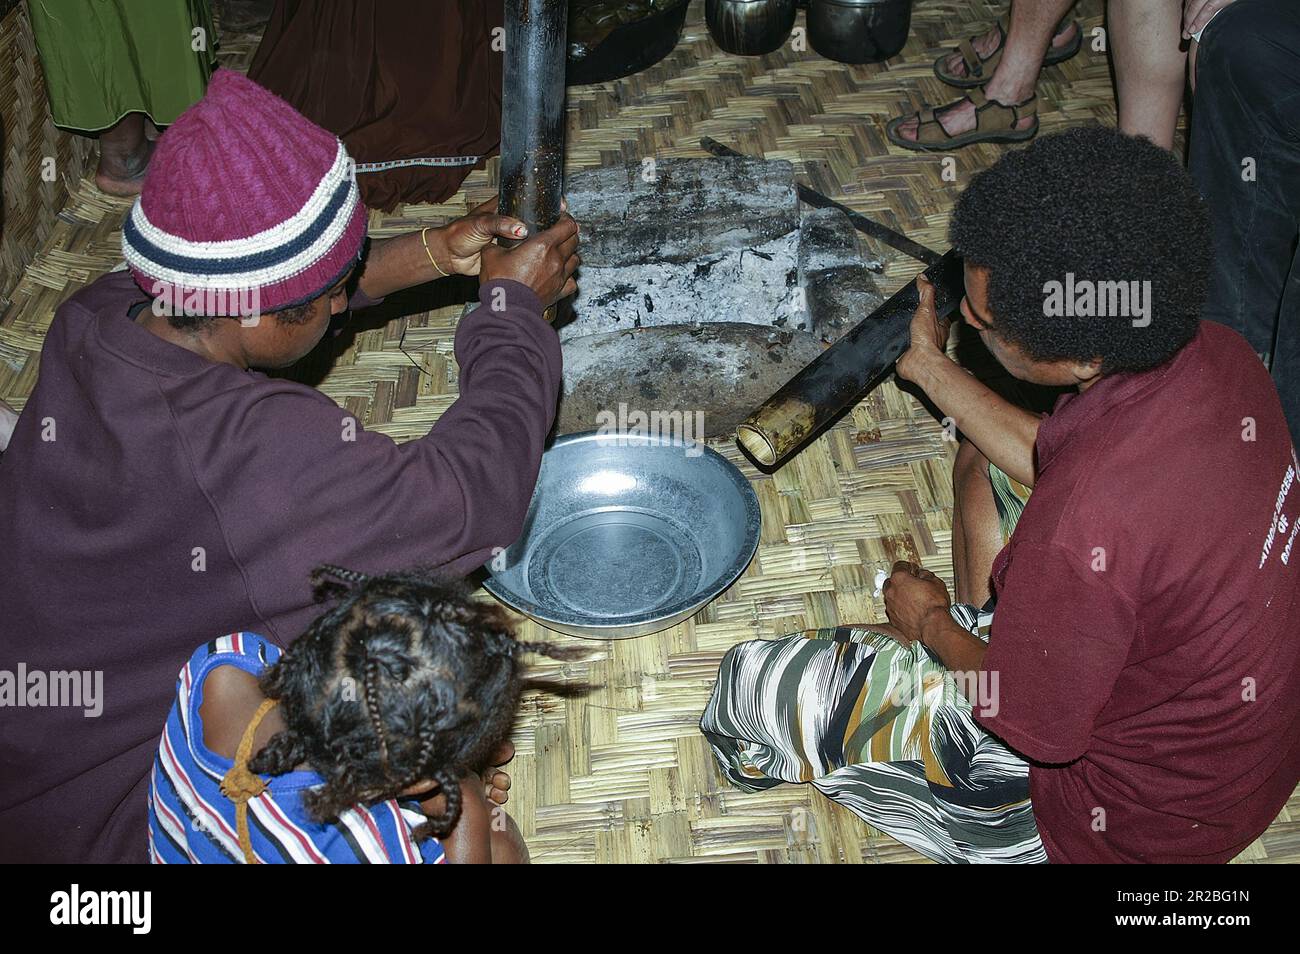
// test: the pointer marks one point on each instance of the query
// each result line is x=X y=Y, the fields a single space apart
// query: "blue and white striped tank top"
x=191 y=822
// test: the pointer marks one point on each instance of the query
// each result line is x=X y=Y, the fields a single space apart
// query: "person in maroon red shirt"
x=1121 y=680
x=1146 y=610
x=158 y=493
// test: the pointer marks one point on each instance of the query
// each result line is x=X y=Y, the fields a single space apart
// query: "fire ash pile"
x=705 y=286
x=756 y=285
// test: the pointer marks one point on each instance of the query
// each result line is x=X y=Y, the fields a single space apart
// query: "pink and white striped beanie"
x=245 y=195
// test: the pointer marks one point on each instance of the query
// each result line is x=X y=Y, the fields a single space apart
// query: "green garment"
x=104 y=59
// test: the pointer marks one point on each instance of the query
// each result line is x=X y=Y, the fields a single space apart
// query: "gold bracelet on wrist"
x=425 y=241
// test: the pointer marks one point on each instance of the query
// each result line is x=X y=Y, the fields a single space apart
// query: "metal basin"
x=627 y=535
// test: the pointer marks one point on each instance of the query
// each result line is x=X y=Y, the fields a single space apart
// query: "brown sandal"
x=994 y=122
x=979 y=69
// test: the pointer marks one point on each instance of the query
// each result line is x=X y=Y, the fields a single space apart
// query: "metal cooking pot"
x=609 y=39
x=750 y=27
x=858 y=31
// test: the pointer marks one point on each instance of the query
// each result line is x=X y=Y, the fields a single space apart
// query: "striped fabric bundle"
x=192 y=822
x=880 y=728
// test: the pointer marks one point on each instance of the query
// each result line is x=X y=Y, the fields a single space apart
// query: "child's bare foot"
x=496 y=784
x=508 y=845
x=484 y=834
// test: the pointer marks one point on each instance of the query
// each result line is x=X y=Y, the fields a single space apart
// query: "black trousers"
x=1245 y=158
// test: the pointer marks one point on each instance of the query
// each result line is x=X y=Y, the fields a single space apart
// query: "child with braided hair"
x=365 y=741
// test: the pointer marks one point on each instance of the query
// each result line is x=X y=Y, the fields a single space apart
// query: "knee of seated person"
x=733 y=656
x=969 y=463
x=738 y=655
x=508 y=844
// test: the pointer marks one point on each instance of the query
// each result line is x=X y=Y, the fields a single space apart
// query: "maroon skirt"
x=412 y=89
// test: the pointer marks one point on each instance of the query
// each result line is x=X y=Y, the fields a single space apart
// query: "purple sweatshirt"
x=152 y=500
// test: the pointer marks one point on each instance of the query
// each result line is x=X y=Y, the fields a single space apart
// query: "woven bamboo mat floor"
x=622 y=774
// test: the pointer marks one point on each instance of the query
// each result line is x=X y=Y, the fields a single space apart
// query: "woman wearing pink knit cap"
x=157 y=492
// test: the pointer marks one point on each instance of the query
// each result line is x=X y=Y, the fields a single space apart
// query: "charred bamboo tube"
x=532 y=113
x=846 y=370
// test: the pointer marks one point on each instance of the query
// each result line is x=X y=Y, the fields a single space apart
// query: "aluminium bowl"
x=627 y=535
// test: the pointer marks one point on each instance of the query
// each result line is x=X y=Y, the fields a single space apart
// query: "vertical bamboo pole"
x=532 y=113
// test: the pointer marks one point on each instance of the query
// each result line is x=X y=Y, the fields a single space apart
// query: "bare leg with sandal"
x=1004 y=110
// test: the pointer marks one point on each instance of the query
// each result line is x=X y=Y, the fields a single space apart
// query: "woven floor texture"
x=622 y=774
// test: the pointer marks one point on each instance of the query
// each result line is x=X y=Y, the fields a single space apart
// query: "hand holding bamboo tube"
x=845 y=371
x=544 y=262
